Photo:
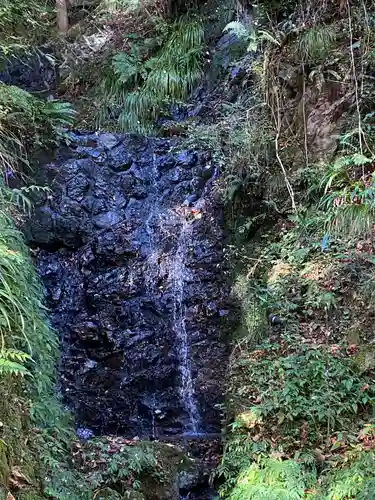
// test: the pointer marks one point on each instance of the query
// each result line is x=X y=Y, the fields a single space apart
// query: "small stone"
x=190 y=200
x=207 y=172
x=106 y=220
x=108 y=141
x=223 y=312
x=274 y=319
x=56 y=294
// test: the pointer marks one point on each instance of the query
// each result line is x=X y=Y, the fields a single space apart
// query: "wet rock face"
x=34 y=72
x=134 y=279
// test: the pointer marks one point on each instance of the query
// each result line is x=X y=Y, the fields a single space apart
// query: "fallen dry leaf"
x=18 y=480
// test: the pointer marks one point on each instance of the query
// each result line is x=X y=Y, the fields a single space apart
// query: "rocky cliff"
x=129 y=244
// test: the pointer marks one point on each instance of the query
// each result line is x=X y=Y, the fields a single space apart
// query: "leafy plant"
x=139 y=88
x=22 y=22
x=129 y=68
x=21 y=197
x=316 y=43
x=355 y=479
x=270 y=479
x=26 y=122
x=310 y=384
x=239 y=452
x=12 y=362
x=349 y=190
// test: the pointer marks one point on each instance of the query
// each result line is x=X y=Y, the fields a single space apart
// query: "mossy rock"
x=365 y=359
x=354 y=336
x=174 y=462
x=248 y=419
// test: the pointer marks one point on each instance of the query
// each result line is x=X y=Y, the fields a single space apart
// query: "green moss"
x=4 y=464
x=354 y=336
x=365 y=359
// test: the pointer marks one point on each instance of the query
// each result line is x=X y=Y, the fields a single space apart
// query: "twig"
x=355 y=82
x=304 y=116
x=253 y=268
x=277 y=137
x=288 y=185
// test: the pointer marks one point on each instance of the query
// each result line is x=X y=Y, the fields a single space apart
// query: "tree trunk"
x=62 y=15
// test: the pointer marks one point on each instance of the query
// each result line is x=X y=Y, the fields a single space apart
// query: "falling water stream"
x=174 y=264
x=178 y=274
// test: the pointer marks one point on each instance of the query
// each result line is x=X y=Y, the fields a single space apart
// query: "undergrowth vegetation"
x=29 y=410
x=22 y=23
x=28 y=356
x=28 y=123
x=138 y=86
x=295 y=141
x=150 y=56
x=287 y=113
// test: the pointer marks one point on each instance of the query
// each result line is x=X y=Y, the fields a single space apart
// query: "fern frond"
x=59 y=113
x=270 y=480
x=168 y=77
x=12 y=362
x=315 y=44
x=15 y=355
x=128 y=68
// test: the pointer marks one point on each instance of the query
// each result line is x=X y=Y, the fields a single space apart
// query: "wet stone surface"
x=134 y=280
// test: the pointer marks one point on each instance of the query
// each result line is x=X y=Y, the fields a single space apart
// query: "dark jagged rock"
x=34 y=72
x=135 y=285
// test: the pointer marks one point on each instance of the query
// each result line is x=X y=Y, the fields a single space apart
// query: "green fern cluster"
x=26 y=122
x=316 y=43
x=24 y=330
x=127 y=465
x=138 y=88
x=12 y=362
x=349 y=196
x=354 y=480
x=28 y=355
x=28 y=346
x=271 y=479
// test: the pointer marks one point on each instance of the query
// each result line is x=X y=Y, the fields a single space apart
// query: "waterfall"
x=178 y=274
x=160 y=223
x=130 y=274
